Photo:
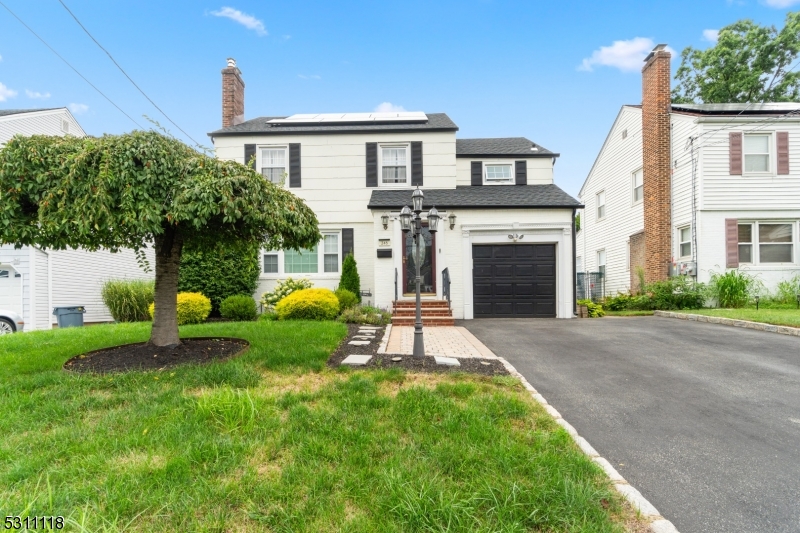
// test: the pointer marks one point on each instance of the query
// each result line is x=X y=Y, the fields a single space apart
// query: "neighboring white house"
x=696 y=189
x=506 y=236
x=33 y=281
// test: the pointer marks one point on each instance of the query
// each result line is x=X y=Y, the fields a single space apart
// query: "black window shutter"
x=294 y=165
x=521 y=172
x=347 y=242
x=250 y=155
x=372 y=164
x=416 y=163
x=477 y=173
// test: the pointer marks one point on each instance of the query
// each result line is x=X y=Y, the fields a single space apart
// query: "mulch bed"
x=412 y=364
x=142 y=356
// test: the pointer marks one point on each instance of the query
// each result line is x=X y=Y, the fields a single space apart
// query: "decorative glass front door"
x=427 y=264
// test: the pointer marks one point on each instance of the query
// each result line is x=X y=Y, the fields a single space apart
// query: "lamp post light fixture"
x=452 y=219
x=413 y=222
x=757 y=298
x=385 y=220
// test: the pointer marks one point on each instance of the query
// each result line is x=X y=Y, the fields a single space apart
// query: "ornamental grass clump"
x=308 y=304
x=240 y=307
x=128 y=299
x=283 y=289
x=193 y=308
x=732 y=289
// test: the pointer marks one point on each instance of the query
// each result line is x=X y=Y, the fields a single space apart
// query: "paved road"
x=703 y=419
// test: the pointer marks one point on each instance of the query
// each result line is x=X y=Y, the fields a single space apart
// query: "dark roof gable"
x=7 y=112
x=501 y=147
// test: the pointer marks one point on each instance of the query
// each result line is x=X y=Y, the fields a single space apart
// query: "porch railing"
x=394 y=303
x=446 y=285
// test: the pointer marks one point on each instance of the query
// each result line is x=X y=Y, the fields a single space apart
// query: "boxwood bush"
x=193 y=308
x=239 y=307
x=346 y=299
x=309 y=304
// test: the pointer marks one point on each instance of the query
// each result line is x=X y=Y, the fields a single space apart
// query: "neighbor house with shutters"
x=505 y=245
x=692 y=189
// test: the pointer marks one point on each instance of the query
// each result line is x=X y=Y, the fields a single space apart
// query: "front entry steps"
x=434 y=313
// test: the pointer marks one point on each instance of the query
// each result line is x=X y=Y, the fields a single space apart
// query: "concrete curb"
x=759 y=326
x=658 y=524
x=385 y=340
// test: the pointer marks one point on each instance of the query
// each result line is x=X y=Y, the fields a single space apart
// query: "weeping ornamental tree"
x=141 y=190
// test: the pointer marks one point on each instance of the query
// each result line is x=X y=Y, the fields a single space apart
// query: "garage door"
x=10 y=290
x=514 y=280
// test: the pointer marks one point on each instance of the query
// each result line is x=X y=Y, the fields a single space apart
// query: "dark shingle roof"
x=483 y=197
x=500 y=147
x=6 y=112
x=755 y=108
x=436 y=122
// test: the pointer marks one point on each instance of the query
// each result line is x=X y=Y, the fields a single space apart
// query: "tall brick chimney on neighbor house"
x=232 y=95
x=656 y=158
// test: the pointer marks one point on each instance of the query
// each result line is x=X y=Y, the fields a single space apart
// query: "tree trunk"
x=168 y=261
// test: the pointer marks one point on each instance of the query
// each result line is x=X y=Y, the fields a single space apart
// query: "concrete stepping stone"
x=447 y=361
x=358 y=343
x=356 y=360
x=363 y=337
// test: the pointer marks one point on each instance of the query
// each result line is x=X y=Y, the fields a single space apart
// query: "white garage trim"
x=533 y=233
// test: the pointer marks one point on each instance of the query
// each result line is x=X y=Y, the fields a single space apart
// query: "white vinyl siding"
x=38 y=123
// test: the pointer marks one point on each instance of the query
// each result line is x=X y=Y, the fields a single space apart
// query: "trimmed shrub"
x=128 y=299
x=193 y=308
x=595 y=310
x=239 y=307
x=680 y=292
x=365 y=314
x=346 y=299
x=308 y=304
x=227 y=270
x=283 y=289
x=350 y=279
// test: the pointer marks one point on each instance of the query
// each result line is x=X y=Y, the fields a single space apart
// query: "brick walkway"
x=444 y=341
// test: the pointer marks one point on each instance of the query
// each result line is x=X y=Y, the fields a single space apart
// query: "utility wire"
x=69 y=65
x=123 y=71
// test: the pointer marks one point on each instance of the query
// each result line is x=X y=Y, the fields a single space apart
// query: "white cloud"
x=37 y=95
x=388 y=107
x=309 y=77
x=624 y=55
x=6 y=93
x=780 y=4
x=78 y=109
x=248 y=21
x=1 y=58
x=711 y=36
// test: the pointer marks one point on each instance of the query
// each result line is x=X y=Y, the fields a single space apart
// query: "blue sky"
x=555 y=72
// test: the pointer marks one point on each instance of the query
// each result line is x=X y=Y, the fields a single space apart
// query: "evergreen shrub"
x=240 y=307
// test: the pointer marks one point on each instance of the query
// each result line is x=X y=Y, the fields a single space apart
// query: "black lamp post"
x=413 y=222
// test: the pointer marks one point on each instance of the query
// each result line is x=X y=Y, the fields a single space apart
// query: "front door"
x=427 y=264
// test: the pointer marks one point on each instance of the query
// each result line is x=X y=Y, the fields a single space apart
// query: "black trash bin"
x=69 y=316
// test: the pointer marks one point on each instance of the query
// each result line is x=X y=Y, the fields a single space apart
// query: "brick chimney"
x=232 y=95
x=656 y=157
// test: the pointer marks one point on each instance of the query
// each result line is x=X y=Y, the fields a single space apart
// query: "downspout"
x=574 y=265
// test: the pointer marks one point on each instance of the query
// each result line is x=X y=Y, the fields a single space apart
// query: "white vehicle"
x=10 y=322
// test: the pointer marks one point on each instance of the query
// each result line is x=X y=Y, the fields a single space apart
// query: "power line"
x=69 y=65
x=123 y=71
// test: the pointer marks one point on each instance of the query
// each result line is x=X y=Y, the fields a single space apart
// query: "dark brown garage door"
x=514 y=280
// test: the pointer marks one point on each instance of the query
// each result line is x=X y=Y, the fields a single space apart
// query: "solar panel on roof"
x=344 y=118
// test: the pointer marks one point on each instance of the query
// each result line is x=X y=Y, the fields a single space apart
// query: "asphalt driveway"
x=703 y=419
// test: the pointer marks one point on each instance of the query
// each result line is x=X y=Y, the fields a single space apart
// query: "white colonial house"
x=693 y=189
x=32 y=280
x=505 y=243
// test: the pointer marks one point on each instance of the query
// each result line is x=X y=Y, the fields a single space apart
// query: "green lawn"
x=779 y=317
x=275 y=441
